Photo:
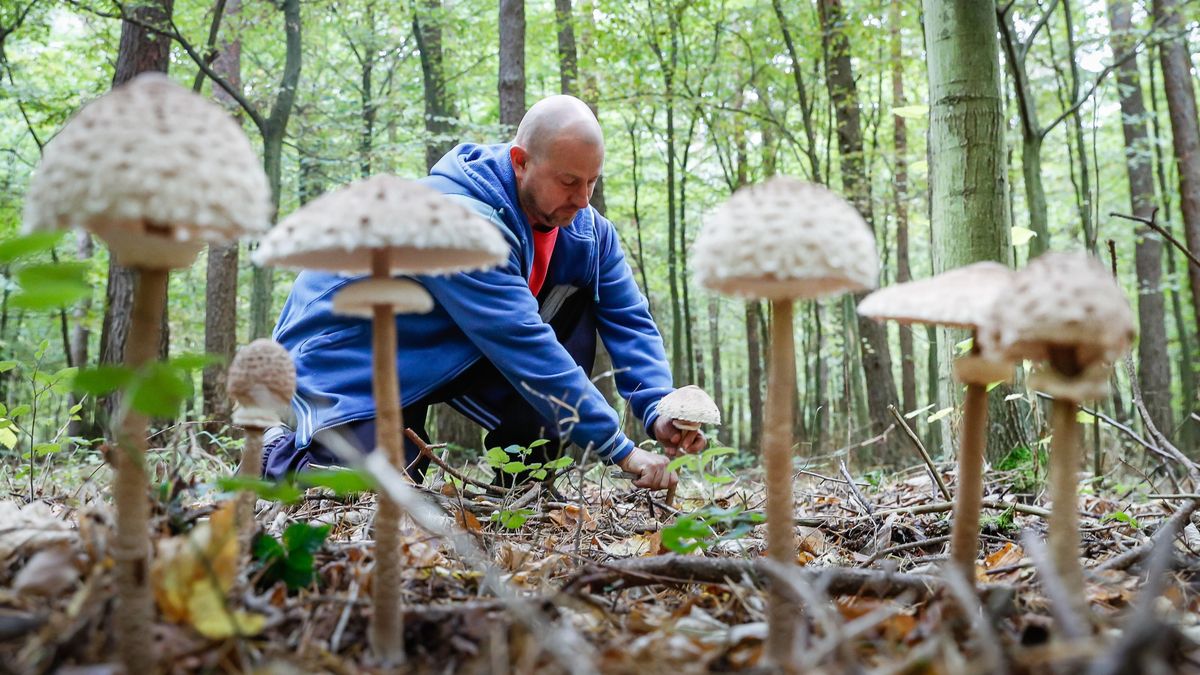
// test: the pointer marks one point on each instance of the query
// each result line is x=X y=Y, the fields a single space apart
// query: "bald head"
x=554 y=119
x=557 y=158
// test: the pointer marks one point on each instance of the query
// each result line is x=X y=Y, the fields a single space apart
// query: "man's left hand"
x=678 y=441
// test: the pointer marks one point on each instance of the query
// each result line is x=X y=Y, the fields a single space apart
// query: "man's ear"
x=519 y=157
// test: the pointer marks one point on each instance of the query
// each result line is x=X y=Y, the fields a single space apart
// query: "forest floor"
x=592 y=561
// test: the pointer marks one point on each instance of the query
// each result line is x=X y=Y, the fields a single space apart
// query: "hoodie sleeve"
x=498 y=314
x=628 y=331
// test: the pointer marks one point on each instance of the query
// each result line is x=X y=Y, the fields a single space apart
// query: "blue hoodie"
x=489 y=314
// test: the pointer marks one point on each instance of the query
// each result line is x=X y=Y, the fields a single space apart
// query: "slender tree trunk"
x=1154 y=366
x=274 y=130
x=875 y=353
x=439 y=107
x=754 y=375
x=714 y=349
x=220 y=291
x=568 y=57
x=1185 y=130
x=590 y=92
x=369 y=109
x=1090 y=230
x=908 y=367
x=511 y=81
x=80 y=336
x=141 y=50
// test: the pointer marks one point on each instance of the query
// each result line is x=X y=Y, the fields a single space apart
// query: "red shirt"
x=543 y=248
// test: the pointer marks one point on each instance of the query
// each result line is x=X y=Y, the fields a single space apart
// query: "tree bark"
x=1154 y=366
x=439 y=108
x=568 y=57
x=511 y=80
x=908 y=367
x=876 y=354
x=754 y=375
x=590 y=92
x=1185 y=130
x=220 y=291
x=273 y=131
x=141 y=50
x=714 y=349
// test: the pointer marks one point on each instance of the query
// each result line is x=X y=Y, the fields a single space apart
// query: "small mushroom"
x=1066 y=311
x=689 y=407
x=155 y=193
x=959 y=298
x=820 y=246
x=261 y=381
x=383 y=226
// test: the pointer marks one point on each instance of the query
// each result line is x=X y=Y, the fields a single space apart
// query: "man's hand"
x=677 y=441
x=651 y=469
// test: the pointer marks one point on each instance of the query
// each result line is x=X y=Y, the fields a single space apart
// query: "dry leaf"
x=30 y=527
x=193 y=573
x=49 y=572
x=639 y=545
x=467 y=521
x=570 y=515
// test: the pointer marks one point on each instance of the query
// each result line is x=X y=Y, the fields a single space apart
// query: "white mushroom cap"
x=785 y=239
x=689 y=404
x=422 y=230
x=1060 y=300
x=404 y=295
x=154 y=170
x=959 y=297
x=261 y=380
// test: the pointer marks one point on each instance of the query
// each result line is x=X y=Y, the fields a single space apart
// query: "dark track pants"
x=480 y=393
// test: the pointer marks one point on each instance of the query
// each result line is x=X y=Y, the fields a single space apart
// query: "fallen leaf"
x=467 y=521
x=30 y=527
x=570 y=515
x=50 y=572
x=639 y=545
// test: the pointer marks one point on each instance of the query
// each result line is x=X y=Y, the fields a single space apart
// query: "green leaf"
x=43 y=449
x=540 y=474
x=918 y=411
x=1021 y=236
x=513 y=467
x=1084 y=417
x=496 y=457
x=538 y=443
x=964 y=346
x=7 y=438
x=341 y=481
x=102 y=380
x=1122 y=517
x=692 y=462
x=48 y=285
x=18 y=247
x=159 y=390
x=940 y=414
x=18 y=411
x=196 y=361
x=276 y=491
x=511 y=520
x=911 y=111
x=560 y=463
x=6 y=366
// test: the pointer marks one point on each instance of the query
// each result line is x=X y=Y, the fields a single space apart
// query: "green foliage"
x=1027 y=465
x=1122 y=517
x=707 y=526
x=511 y=519
x=512 y=461
x=1003 y=522
x=291 y=560
x=341 y=482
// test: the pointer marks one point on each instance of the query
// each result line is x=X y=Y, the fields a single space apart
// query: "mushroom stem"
x=387 y=624
x=964 y=535
x=1064 y=516
x=250 y=467
x=131 y=551
x=777 y=460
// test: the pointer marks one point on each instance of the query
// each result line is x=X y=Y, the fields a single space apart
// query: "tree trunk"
x=908 y=367
x=369 y=109
x=274 y=129
x=590 y=92
x=876 y=356
x=955 y=27
x=1154 y=366
x=80 y=336
x=439 y=108
x=1185 y=129
x=714 y=349
x=754 y=375
x=141 y=50
x=511 y=80
x=220 y=291
x=568 y=57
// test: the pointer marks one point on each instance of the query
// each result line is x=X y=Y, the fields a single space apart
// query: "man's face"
x=554 y=187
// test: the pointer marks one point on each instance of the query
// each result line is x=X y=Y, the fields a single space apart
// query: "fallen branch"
x=428 y=453
x=912 y=436
x=1175 y=523
x=677 y=569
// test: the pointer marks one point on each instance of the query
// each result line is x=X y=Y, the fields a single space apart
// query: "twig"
x=335 y=640
x=427 y=452
x=933 y=541
x=1062 y=605
x=994 y=504
x=937 y=478
x=1175 y=523
x=1166 y=234
x=854 y=488
x=981 y=623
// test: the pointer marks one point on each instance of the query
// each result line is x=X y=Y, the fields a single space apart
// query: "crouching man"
x=511 y=348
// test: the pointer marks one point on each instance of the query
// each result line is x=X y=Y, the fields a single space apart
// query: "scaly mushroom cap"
x=784 y=239
x=689 y=404
x=422 y=230
x=261 y=380
x=154 y=170
x=1060 y=301
x=404 y=295
x=959 y=298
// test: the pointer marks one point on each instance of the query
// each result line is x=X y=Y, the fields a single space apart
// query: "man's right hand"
x=651 y=469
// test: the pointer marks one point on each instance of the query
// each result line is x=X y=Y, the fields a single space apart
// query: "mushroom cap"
x=422 y=230
x=1060 y=301
x=261 y=380
x=958 y=298
x=689 y=404
x=404 y=295
x=784 y=239
x=154 y=170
